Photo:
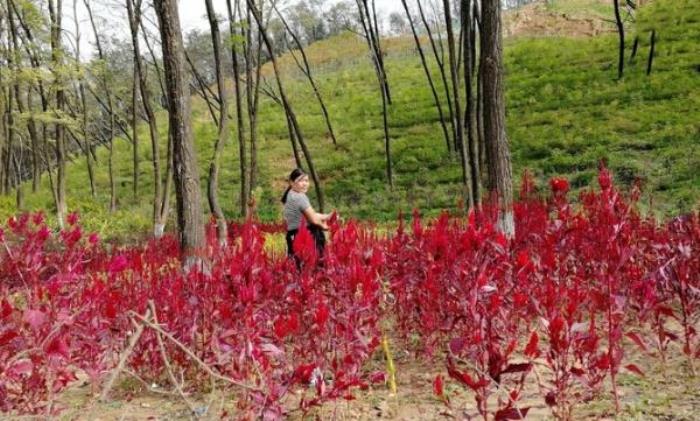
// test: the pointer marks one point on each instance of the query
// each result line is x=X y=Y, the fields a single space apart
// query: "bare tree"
x=187 y=190
x=109 y=109
x=291 y=116
x=306 y=70
x=441 y=67
x=55 y=14
x=222 y=135
x=499 y=164
x=424 y=62
x=454 y=77
x=371 y=34
x=240 y=128
x=468 y=46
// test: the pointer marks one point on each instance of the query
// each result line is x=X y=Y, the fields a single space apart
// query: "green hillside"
x=565 y=108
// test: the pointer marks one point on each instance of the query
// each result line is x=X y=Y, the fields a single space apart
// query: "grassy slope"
x=565 y=112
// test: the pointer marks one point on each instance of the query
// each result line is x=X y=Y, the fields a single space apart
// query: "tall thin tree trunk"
x=424 y=62
x=470 y=109
x=222 y=136
x=369 y=32
x=135 y=22
x=34 y=136
x=443 y=76
x=188 y=197
x=306 y=69
x=110 y=110
x=621 y=36
x=650 y=61
x=55 y=12
x=83 y=104
x=252 y=57
x=287 y=106
x=240 y=129
x=454 y=76
x=499 y=165
x=134 y=131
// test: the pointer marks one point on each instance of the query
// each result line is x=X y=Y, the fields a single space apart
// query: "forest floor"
x=670 y=394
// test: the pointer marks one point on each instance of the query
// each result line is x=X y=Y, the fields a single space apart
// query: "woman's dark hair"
x=293 y=176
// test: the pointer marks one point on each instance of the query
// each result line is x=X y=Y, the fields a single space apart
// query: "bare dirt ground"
x=536 y=20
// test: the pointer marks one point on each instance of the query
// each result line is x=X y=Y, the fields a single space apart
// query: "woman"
x=296 y=206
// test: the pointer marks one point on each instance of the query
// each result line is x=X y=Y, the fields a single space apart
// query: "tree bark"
x=650 y=61
x=621 y=36
x=499 y=165
x=454 y=76
x=55 y=12
x=369 y=32
x=187 y=189
x=222 y=135
x=240 y=129
x=470 y=110
x=252 y=98
x=135 y=22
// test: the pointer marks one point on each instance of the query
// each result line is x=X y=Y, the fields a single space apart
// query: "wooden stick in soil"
x=125 y=355
x=166 y=361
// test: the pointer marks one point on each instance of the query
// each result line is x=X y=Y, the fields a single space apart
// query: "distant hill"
x=566 y=111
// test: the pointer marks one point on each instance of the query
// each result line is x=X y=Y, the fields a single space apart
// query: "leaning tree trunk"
x=424 y=62
x=222 y=135
x=306 y=69
x=441 y=68
x=187 y=190
x=621 y=36
x=287 y=106
x=499 y=164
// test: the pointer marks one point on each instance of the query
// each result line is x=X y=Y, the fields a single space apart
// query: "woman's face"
x=301 y=184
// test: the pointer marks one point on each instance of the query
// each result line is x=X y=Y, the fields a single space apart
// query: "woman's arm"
x=316 y=218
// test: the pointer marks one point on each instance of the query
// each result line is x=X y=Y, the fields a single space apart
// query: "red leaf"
x=58 y=348
x=517 y=368
x=511 y=414
x=303 y=373
x=633 y=368
x=437 y=386
x=466 y=379
x=577 y=371
x=377 y=377
x=118 y=264
x=637 y=340
x=7 y=337
x=531 y=349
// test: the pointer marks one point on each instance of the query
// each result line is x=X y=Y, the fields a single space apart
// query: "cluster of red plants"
x=556 y=303
x=260 y=323
x=557 y=306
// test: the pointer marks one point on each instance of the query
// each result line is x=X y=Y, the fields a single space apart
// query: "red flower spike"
x=559 y=185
